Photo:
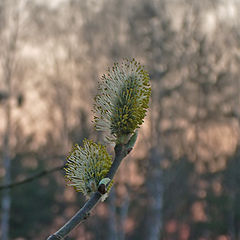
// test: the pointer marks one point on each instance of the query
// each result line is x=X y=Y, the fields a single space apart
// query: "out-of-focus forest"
x=181 y=181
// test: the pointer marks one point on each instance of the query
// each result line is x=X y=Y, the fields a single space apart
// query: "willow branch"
x=121 y=152
x=32 y=178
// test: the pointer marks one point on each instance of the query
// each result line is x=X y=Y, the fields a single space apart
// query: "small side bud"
x=102 y=185
x=105 y=181
x=102 y=188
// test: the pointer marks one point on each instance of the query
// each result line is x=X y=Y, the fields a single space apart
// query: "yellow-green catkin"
x=86 y=166
x=122 y=100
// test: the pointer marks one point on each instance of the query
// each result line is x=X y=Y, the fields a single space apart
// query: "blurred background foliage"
x=182 y=179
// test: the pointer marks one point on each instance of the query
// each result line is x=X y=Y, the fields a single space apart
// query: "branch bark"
x=121 y=152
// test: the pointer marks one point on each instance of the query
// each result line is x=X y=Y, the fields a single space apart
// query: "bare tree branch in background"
x=32 y=178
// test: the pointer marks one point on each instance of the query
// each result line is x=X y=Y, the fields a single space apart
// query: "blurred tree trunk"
x=116 y=229
x=8 y=66
x=112 y=225
x=231 y=221
x=232 y=183
x=123 y=215
x=6 y=199
x=154 y=187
